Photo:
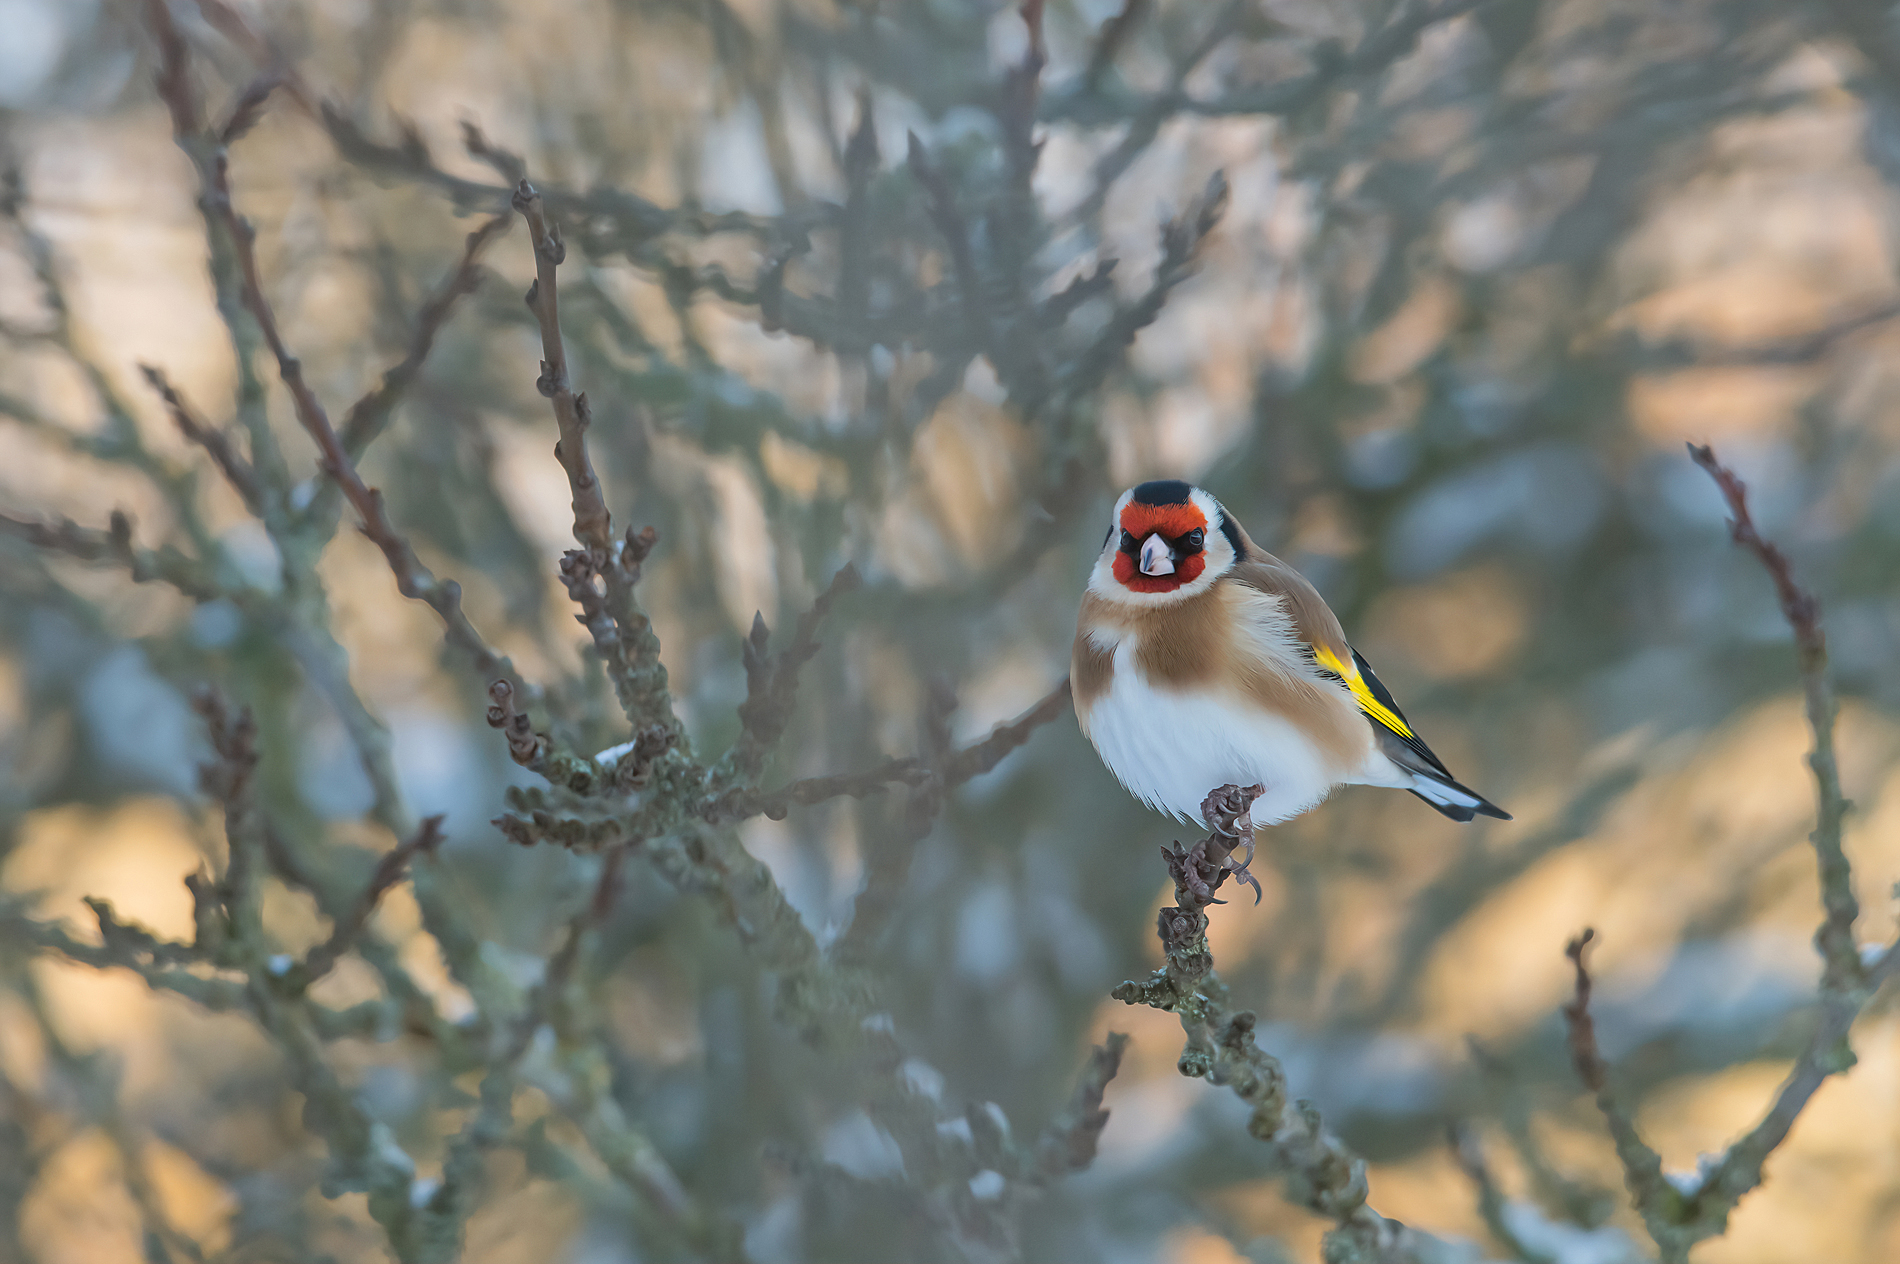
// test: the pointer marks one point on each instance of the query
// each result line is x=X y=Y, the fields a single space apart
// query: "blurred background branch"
x=730 y=946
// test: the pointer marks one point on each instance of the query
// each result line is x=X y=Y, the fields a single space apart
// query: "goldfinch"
x=1201 y=660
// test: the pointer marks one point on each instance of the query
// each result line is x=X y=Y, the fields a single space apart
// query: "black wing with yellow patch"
x=1375 y=701
x=1432 y=782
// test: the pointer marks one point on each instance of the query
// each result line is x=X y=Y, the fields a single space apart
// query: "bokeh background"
x=1483 y=269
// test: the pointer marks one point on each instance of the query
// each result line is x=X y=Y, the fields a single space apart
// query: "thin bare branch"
x=389 y=871
x=165 y=564
x=1835 y=939
x=368 y=415
x=980 y=757
x=174 y=83
x=1642 y=1166
x=1068 y=1144
x=248 y=109
x=593 y=525
x=1109 y=40
x=738 y=804
x=772 y=680
x=1468 y=1152
x=948 y=217
x=215 y=440
x=413 y=579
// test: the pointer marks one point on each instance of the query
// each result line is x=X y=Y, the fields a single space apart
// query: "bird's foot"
x=1226 y=810
x=1196 y=872
x=1199 y=869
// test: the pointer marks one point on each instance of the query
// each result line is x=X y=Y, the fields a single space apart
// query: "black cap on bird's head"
x=1161 y=491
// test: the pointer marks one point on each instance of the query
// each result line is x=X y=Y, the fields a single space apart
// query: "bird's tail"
x=1459 y=802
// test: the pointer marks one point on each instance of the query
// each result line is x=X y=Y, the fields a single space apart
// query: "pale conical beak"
x=1156 y=557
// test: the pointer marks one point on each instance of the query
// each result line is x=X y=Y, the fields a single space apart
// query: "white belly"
x=1170 y=748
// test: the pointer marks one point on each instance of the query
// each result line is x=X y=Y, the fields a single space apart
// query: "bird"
x=1201 y=661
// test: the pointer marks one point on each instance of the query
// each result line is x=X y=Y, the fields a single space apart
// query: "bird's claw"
x=1241 y=871
x=1241 y=874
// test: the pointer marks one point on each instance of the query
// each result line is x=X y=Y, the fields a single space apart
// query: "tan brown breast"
x=1235 y=639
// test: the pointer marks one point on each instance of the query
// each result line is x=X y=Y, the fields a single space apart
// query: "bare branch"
x=854 y=235
x=981 y=756
x=249 y=107
x=1675 y=1220
x=738 y=803
x=504 y=164
x=944 y=213
x=413 y=579
x=174 y=74
x=167 y=564
x=1468 y=1152
x=772 y=680
x=231 y=24
x=1835 y=939
x=1804 y=348
x=368 y=415
x=389 y=871
x=593 y=526
x=1068 y=1144
x=1181 y=240
x=1021 y=88
x=1108 y=42
x=213 y=439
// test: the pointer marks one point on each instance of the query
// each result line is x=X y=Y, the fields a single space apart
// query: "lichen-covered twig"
x=525 y=746
x=611 y=612
x=228 y=779
x=1322 y=1173
x=602 y=583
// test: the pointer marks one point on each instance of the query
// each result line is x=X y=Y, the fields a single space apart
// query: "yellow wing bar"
x=1362 y=692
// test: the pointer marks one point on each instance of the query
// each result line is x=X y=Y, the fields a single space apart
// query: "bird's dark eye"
x=1129 y=543
x=1192 y=540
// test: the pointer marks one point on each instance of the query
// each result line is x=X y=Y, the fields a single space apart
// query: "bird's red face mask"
x=1161 y=547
